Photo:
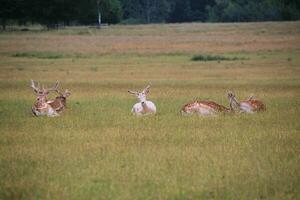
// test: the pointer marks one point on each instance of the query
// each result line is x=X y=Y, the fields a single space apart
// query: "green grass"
x=98 y=150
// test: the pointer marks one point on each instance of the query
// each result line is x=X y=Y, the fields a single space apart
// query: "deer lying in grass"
x=204 y=107
x=41 y=107
x=60 y=102
x=251 y=105
x=144 y=107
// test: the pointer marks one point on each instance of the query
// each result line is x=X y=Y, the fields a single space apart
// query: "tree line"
x=86 y=12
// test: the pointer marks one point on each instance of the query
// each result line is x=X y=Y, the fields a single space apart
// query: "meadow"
x=98 y=150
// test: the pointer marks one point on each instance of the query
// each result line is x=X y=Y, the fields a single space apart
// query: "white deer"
x=41 y=107
x=144 y=107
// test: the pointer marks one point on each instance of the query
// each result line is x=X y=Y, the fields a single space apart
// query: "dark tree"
x=189 y=10
x=48 y=12
x=146 y=11
x=255 y=10
x=8 y=10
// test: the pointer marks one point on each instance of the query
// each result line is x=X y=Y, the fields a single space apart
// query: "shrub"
x=45 y=55
x=213 y=58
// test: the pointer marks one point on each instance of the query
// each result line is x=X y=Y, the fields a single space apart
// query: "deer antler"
x=132 y=92
x=66 y=93
x=55 y=87
x=146 y=90
x=34 y=87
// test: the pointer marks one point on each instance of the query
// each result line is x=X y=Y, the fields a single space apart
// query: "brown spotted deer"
x=41 y=107
x=251 y=105
x=60 y=102
x=204 y=107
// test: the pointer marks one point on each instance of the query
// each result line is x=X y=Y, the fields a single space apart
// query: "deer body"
x=41 y=107
x=250 y=105
x=60 y=102
x=57 y=104
x=144 y=107
x=203 y=108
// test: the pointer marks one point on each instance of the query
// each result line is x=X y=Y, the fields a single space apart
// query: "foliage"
x=146 y=11
x=213 y=58
x=44 y=55
x=256 y=10
x=60 y=11
x=111 y=11
x=131 y=21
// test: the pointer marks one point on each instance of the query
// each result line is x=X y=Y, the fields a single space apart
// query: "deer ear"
x=132 y=92
x=67 y=93
x=251 y=97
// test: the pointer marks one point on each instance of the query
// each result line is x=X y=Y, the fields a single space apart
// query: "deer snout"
x=39 y=98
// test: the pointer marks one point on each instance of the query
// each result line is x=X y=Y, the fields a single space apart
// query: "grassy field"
x=98 y=150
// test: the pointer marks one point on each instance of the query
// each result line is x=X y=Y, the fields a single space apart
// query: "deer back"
x=255 y=104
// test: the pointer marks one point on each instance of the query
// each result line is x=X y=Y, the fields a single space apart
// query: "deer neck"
x=41 y=105
x=144 y=104
x=228 y=110
x=61 y=99
x=234 y=104
x=146 y=109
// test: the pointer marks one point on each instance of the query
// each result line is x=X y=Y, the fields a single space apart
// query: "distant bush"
x=45 y=55
x=213 y=58
x=132 y=21
x=94 y=68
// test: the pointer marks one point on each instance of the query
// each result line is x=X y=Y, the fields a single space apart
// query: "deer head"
x=41 y=92
x=64 y=94
x=233 y=102
x=251 y=97
x=141 y=95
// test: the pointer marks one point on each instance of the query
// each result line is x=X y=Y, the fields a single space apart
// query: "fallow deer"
x=251 y=105
x=41 y=107
x=204 y=107
x=144 y=107
x=60 y=102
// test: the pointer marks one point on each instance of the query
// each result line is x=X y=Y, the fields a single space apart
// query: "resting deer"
x=251 y=105
x=60 y=102
x=41 y=107
x=204 y=107
x=144 y=107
